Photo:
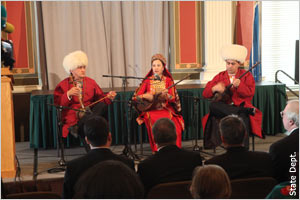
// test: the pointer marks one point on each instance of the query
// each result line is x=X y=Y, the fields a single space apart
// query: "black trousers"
x=218 y=110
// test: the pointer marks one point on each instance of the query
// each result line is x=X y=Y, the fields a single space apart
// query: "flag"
x=255 y=55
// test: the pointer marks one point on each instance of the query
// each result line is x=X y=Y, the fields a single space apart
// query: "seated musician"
x=236 y=99
x=78 y=91
x=154 y=99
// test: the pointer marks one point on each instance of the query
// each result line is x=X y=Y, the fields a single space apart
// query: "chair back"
x=34 y=195
x=252 y=188
x=171 y=190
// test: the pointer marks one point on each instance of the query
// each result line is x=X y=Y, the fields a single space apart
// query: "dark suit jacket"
x=169 y=164
x=238 y=162
x=76 y=167
x=280 y=152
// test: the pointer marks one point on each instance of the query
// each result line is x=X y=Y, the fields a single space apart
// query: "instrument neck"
x=79 y=84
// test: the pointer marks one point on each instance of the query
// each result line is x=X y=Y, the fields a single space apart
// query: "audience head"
x=233 y=130
x=96 y=131
x=210 y=182
x=164 y=132
x=109 y=179
x=290 y=115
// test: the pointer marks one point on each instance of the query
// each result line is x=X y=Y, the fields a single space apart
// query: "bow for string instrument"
x=87 y=108
x=226 y=95
x=144 y=105
x=84 y=109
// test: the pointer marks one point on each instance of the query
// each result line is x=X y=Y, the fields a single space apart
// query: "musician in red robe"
x=78 y=91
x=239 y=102
x=164 y=102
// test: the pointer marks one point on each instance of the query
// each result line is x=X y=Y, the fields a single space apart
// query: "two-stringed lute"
x=145 y=105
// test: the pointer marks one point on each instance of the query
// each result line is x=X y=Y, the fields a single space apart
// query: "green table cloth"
x=269 y=98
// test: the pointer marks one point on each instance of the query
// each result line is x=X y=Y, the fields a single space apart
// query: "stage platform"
x=48 y=157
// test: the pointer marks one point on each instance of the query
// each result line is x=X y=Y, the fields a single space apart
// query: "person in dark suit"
x=97 y=135
x=287 y=148
x=109 y=179
x=238 y=162
x=170 y=163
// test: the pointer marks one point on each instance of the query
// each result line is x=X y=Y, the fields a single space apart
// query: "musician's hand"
x=236 y=82
x=164 y=95
x=111 y=95
x=74 y=91
x=220 y=87
x=148 y=96
x=165 y=91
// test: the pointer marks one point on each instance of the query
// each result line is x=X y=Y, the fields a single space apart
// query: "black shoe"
x=242 y=104
x=73 y=130
x=248 y=111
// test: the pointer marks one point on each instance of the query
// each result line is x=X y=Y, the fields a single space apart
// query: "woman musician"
x=154 y=100
x=78 y=91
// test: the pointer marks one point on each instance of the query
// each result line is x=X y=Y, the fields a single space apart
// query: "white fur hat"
x=74 y=60
x=234 y=52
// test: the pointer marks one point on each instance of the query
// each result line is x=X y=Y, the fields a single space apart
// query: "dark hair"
x=233 y=129
x=210 y=182
x=96 y=130
x=109 y=179
x=164 y=131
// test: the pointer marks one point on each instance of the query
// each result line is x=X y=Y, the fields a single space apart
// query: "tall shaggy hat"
x=234 y=52
x=160 y=57
x=74 y=60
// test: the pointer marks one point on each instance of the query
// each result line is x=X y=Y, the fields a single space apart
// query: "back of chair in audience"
x=109 y=180
x=172 y=190
x=252 y=188
x=34 y=195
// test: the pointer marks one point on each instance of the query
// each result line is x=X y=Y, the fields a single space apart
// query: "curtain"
x=119 y=38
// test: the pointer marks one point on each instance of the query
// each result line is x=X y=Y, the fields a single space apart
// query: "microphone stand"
x=127 y=151
x=196 y=147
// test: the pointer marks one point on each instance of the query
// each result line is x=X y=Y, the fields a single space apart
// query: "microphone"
x=156 y=77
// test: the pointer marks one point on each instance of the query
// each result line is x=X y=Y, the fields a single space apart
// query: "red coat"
x=244 y=93
x=91 y=93
x=168 y=110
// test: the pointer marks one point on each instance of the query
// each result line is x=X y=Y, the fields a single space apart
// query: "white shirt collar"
x=293 y=130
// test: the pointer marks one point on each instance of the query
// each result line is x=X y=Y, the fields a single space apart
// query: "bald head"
x=292 y=109
x=290 y=116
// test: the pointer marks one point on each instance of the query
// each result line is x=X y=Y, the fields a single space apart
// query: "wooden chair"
x=172 y=190
x=252 y=188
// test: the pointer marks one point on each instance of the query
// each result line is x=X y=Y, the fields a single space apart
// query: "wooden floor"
x=48 y=159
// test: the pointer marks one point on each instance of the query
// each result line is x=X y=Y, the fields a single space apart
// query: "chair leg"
x=35 y=164
x=253 y=142
x=141 y=139
x=57 y=145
